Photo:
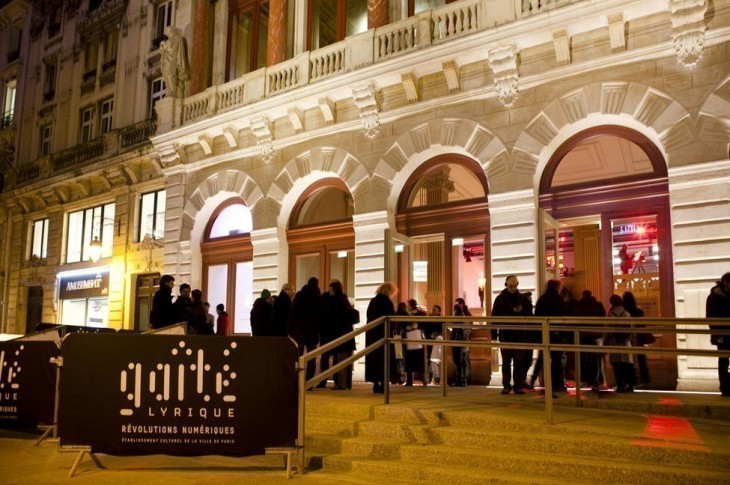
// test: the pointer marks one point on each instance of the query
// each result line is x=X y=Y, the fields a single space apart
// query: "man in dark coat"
x=261 y=315
x=198 y=323
x=718 y=306
x=380 y=305
x=182 y=304
x=162 y=314
x=304 y=320
x=337 y=321
x=551 y=304
x=590 y=362
x=281 y=310
x=510 y=302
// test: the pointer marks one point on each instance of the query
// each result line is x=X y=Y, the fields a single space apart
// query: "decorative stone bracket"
x=688 y=29
x=451 y=72
x=364 y=97
x=503 y=61
x=260 y=127
x=169 y=155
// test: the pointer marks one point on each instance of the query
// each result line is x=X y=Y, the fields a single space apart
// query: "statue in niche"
x=174 y=63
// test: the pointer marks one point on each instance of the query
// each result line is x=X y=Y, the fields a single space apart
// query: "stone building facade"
x=442 y=146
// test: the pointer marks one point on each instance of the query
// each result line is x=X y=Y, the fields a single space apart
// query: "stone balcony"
x=430 y=28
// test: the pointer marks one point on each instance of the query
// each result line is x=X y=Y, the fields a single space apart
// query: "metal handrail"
x=546 y=325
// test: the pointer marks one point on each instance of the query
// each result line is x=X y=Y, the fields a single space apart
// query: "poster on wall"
x=126 y=394
x=27 y=383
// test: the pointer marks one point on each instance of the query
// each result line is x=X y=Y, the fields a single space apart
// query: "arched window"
x=321 y=235
x=227 y=255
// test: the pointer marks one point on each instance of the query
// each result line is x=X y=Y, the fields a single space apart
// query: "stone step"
x=406 y=433
x=372 y=448
x=322 y=444
x=390 y=471
x=336 y=425
x=638 y=448
x=325 y=405
x=570 y=468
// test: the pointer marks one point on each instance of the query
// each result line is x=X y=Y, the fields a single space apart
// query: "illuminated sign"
x=84 y=286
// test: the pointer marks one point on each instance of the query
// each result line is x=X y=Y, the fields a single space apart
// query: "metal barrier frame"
x=546 y=325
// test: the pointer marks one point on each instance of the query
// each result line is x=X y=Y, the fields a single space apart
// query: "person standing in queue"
x=181 y=307
x=224 y=325
x=162 y=313
x=337 y=321
x=261 y=315
x=380 y=305
x=551 y=304
x=281 y=309
x=511 y=303
x=198 y=323
x=718 y=306
x=304 y=321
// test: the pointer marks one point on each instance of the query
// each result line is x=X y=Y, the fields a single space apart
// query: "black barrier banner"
x=27 y=383
x=178 y=395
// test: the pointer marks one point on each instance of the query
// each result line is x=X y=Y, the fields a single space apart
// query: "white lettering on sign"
x=83 y=284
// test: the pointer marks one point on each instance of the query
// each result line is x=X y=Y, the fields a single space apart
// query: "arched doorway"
x=443 y=212
x=321 y=236
x=227 y=255
x=443 y=215
x=604 y=203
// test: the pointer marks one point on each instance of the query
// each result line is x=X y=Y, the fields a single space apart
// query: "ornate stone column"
x=201 y=51
x=377 y=13
x=276 y=41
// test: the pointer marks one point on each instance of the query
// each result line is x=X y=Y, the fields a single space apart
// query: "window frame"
x=50 y=81
x=46 y=139
x=159 y=25
x=89 y=229
x=42 y=226
x=86 y=131
x=236 y=8
x=156 y=95
x=340 y=23
x=106 y=119
x=110 y=47
x=157 y=195
x=9 y=98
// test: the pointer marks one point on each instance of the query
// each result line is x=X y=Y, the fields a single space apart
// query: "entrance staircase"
x=476 y=436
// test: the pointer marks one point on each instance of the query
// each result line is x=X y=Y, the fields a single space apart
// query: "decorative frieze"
x=503 y=61
x=366 y=101
x=260 y=127
x=688 y=29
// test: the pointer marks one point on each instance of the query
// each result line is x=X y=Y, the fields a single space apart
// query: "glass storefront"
x=84 y=299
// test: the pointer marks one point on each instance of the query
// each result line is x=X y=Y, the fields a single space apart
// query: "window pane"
x=217 y=291
x=244 y=42
x=160 y=222
x=422 y=5
x=234 y=219
x=73 y=312
x=307 y=265
x=147 y=211
x=107 y=236
x=97 y=311
x=324 y=23
x=75 y=235
x=244 y=297
x=263 y=34
x=357 y=17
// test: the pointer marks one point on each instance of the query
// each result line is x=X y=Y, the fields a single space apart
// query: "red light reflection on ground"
x=671 y=401
x=670 y=432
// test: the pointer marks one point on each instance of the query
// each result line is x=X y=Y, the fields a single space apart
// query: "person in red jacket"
x=224 y=326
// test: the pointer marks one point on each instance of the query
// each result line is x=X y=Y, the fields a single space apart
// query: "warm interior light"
x=457 y=241
x=95 y=249
x=341 y=254
x=398 y=248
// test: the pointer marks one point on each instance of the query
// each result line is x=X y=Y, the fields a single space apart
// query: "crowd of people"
x=311 y=319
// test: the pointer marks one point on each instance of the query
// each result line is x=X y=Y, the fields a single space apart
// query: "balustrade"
x=327 y=61
x=394 y=39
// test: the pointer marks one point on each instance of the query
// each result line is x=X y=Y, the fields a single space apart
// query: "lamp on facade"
x=95 y=249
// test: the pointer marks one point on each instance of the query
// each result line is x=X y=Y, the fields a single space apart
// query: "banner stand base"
x=290 y=454
x=82 y=451
x=49 y=430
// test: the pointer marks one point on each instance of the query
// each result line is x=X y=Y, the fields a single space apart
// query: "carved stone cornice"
x=365 y=98
x=503 y=61
x=261 y=129
x=108 y=12
x=688 y=29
